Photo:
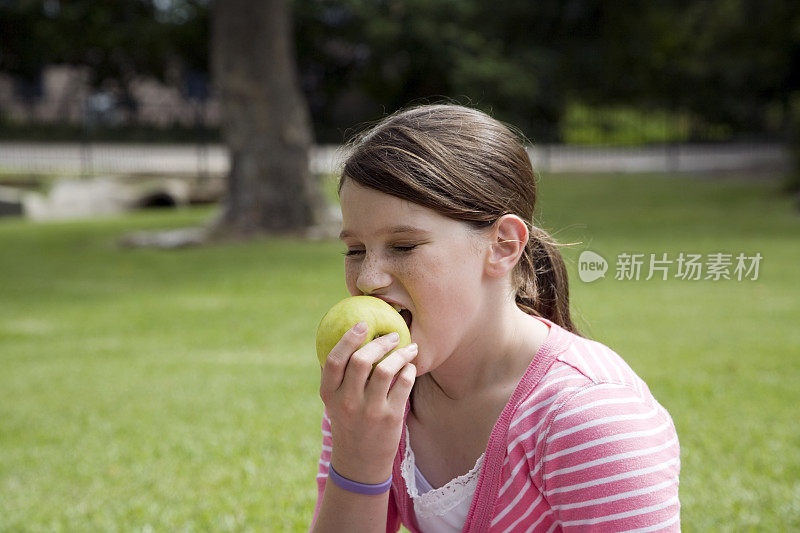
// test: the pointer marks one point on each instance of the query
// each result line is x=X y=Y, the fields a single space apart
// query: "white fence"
x=91 y=159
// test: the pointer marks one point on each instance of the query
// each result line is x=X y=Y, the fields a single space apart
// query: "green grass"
x=177 y=390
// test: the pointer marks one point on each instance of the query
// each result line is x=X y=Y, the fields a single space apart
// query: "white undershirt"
x=442 y=510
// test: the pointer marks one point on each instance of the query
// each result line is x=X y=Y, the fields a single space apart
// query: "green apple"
x=381 y=319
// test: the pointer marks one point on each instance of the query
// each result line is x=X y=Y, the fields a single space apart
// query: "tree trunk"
x=265 y=123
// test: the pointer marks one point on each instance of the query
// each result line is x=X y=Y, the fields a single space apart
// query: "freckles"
x=350 y=277
x=410 y=268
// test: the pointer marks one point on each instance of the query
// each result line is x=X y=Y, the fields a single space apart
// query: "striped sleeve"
x=324 y=462
x=609 y=461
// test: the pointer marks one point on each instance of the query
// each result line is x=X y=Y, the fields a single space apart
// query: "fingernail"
x=412 y=348
x=393 y=336
x=360 y=327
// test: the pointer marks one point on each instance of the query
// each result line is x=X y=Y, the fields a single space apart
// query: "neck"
x=486 y=362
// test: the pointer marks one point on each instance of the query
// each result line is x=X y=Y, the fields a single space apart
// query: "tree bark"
x=266 y=122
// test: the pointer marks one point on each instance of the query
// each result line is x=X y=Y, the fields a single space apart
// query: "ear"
x=508 y=239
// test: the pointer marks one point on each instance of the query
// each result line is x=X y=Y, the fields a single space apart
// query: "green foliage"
x=386 y=55
x=117 y=40
x=793 y=177
x=723 y=60
x=621 y=126
x=625 y=125
x=177 y=390
x=730 y=63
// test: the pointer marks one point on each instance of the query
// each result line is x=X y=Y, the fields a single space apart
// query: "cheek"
x=350 y=278
x=446 y=278
x=449 y=294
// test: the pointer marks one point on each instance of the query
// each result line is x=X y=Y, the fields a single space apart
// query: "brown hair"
x=465 y=165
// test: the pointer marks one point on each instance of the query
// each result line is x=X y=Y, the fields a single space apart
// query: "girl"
x=500 y=416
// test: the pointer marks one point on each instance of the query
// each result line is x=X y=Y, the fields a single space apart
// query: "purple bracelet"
x=359 y=488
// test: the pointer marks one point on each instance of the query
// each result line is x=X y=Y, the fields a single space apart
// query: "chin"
x=421 y=369
x=424 y=364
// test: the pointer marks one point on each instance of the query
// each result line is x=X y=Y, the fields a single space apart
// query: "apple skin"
x=381 y=319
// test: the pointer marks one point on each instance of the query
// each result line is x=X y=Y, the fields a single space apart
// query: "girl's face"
x=418 y=260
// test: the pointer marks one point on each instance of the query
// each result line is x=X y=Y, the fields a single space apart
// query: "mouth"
x=405 y=313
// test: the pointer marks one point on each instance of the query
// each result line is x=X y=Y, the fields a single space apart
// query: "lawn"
x=177 y=390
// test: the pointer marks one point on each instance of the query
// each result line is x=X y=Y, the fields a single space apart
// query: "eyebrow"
x=388 y=231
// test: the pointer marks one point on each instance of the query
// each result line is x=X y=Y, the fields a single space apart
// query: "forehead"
x=367 y=211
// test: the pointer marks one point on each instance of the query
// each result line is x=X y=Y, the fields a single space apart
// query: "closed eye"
x=404 y=248
x=396 y=248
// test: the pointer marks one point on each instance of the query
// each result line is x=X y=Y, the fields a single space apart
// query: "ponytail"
x=542 y=285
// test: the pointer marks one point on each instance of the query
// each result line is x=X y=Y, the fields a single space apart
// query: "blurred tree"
x=265 y=120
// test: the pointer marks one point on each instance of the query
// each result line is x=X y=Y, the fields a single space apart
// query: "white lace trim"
x=437 y=502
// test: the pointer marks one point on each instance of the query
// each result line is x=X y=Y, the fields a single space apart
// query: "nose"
x=373 y=275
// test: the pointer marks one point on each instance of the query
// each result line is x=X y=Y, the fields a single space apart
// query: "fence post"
x=86 y=148
x=673 y=162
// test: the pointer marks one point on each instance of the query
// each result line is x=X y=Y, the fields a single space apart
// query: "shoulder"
x=609 y=453
x=579 y=364
x=558 y=384
x=599 y=363
x=606 y=418
x=589 y=402
x=597 y=445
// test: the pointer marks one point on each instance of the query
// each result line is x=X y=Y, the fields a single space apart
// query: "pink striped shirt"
x=581 y=445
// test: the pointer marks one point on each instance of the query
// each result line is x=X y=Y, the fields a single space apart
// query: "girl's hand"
x=366 y=412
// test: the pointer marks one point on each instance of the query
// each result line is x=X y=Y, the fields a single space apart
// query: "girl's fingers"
x=360 y=363
x=401 y=390
x=336 y=362
x=386 y=370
